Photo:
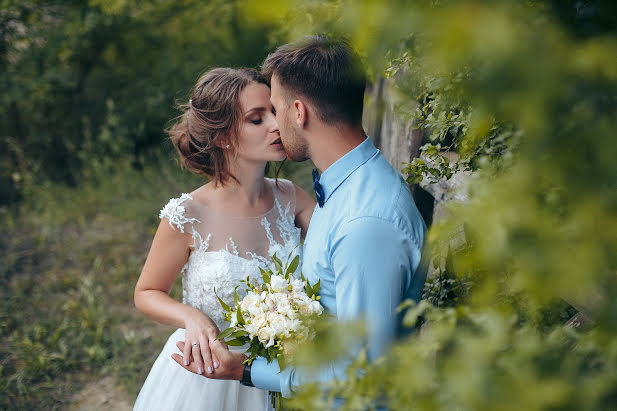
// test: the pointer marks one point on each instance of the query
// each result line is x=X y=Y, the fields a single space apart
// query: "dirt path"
x=101 y=395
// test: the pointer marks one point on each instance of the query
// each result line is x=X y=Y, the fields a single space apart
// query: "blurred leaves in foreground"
x=525 y=94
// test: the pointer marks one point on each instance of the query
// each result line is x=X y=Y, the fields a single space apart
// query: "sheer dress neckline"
x=220 y=213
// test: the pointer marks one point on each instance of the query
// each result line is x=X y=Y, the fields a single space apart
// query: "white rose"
x=270 y=303
x=255 y=309
x=270 y=316
x=279 y=324
x=252 y=329
x=297 y=285
x=278 y=284
x=292 y=314
x=282 y=303
x=252 y=300
x=245 y=302
x=316 y=308
x=259 y=321
x=266 y=336
x=300 y=300
x=293 y=324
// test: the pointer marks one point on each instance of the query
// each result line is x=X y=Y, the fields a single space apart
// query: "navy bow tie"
x=318 y=188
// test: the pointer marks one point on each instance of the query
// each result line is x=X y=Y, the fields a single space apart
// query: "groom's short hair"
x=326 y=71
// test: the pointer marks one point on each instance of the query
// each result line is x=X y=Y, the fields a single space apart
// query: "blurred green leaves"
x=524 y=94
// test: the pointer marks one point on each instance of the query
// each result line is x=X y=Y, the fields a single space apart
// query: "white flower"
x=254 y=309
x=297 y=285
x=251 y=303
x=270 y=316
x=316 y=308
x=266 y=336
x=282 y=303
x=252 y=329
x=270 y=302
x=293 y=324
x=259 y=321
x=292 y=314
x=279 y=324
x=278 y=284
x=300 y=299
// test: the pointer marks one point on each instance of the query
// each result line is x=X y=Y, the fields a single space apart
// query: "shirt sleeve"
x=373 y=264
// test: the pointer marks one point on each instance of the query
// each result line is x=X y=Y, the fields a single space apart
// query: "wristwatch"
x=246 y=377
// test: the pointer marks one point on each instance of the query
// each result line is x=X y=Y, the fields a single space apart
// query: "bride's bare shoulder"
x=205 y=195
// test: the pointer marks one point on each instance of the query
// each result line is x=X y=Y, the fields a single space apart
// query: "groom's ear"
x=300 y=112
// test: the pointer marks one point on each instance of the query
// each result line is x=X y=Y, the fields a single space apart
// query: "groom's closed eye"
x=274 y=111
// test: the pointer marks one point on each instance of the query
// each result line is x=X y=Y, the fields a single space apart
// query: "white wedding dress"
x=225 y=250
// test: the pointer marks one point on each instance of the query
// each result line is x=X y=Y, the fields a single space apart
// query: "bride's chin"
x=281 y=157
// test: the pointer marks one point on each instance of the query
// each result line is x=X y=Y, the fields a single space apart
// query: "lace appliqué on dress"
x=174 y=211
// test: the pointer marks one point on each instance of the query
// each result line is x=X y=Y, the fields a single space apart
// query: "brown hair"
x=326 y=71
x=211 y=121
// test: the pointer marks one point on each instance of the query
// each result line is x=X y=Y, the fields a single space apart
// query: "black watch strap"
x=246 y=377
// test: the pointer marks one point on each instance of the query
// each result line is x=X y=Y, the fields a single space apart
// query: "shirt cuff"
x=266 y=376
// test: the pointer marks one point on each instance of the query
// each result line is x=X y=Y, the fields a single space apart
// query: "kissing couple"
x=362 y=240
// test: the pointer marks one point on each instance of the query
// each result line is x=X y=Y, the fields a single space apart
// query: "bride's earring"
x=227 y=146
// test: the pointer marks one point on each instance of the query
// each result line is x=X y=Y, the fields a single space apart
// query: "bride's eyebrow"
x=255 y=109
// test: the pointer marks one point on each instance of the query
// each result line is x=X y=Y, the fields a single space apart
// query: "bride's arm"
x=168 y=254
x=304 y=210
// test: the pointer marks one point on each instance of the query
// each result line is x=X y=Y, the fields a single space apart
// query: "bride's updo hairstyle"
x=210 y=122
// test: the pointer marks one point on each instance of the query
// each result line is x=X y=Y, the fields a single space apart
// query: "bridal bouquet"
x=276 y=314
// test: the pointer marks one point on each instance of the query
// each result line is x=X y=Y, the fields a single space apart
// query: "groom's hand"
x=230 y=367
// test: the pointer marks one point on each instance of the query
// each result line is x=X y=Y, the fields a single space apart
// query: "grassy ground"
x=70 y=257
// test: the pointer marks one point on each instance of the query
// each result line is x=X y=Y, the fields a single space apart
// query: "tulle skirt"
x=171 y=387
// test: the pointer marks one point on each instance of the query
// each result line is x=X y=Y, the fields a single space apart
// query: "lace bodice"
x=227 y=249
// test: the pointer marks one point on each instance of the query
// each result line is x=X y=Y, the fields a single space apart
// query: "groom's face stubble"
x=294 y=143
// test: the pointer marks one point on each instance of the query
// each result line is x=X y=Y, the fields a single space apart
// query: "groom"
x=366 y=235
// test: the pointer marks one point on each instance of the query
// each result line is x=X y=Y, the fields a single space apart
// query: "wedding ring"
x=195 y=344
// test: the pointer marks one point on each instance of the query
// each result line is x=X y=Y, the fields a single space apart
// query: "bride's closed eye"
x=256 y=122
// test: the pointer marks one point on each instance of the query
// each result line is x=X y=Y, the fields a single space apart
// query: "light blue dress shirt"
x=365 y=246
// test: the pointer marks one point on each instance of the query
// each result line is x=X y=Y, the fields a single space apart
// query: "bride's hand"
x=201 y=331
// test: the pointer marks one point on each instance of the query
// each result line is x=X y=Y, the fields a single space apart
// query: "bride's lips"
x=277 y=142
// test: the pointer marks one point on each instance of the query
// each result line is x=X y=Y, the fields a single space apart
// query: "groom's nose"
x=273 y=126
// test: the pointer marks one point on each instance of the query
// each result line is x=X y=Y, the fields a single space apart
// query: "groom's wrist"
x=246 y=379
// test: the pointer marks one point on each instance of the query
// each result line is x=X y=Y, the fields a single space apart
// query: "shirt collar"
x=342 y=168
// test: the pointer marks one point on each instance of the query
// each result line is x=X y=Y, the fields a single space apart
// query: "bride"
x=217 y=235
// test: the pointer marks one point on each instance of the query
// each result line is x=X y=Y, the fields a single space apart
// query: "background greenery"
x=523 y=92
x=88 y=88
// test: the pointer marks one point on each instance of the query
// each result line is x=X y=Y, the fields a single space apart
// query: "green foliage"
x=523 y=93
x=444 y=288
x=69 y=263
x=87 y=82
